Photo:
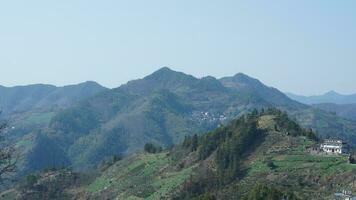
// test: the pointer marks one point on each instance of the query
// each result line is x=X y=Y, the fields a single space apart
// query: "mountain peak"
x=332 y=93
x=164 y=71
x=241 y=80
x=244 y=78
x=167 y=74
x=164 y=78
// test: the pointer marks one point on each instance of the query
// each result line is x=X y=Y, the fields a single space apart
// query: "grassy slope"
x=308 y=175
x=155 y=176
x=143 y=176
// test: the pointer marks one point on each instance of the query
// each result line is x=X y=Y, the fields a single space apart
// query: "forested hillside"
x=261 y=154
x=41 y=97
x=161 y=108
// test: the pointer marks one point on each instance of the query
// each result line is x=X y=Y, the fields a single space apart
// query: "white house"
x=344 y=195
x=334 y=147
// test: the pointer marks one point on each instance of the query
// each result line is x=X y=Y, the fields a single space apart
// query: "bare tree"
x=7 y=156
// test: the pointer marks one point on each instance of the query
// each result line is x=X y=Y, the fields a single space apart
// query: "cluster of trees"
x=263 y=192
x=200 y=186
x=231 y=143
x=8 y=157
x=152 y=148
x=191 y=142
x=292 y=128
x=229 y=154
x=285 y=124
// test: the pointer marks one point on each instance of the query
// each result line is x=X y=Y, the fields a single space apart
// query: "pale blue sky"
x=305 y=47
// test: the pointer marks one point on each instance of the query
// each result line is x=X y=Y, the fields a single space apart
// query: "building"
x=334 y=147
x=344 y=195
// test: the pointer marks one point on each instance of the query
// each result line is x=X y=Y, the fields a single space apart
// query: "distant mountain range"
x=44 y=97
x=162 y=108
x=329 y=97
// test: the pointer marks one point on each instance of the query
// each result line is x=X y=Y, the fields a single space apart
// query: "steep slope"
x=329 y=97
x=259 y=151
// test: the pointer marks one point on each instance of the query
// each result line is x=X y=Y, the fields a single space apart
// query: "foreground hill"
x=257 y=154
x=161 y=108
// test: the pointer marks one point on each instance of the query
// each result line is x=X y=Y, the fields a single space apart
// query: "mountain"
x=161 y=108
x=42 y=97
x=261 y=155
x=329 y=97
x=347 y=111
x=241 y=82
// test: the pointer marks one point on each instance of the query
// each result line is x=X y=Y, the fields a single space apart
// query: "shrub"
x=151 y=148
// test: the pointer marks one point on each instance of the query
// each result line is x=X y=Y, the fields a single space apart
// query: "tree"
x=7 y=156
x=151 y=148
x=194 y=142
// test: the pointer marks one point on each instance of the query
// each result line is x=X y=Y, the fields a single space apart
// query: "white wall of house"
x=332 y=148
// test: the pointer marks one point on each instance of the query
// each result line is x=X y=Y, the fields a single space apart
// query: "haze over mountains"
x=329 y=97
x=333 y=102
x=44 y=97
x=161 y=108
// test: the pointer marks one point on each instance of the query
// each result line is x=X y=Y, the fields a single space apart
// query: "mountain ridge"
x=328 y=97
x=43 y=96
x=161 y=108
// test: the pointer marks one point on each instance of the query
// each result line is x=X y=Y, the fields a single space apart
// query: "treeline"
x=263 y=192
x=290 y=127
x=231 y=143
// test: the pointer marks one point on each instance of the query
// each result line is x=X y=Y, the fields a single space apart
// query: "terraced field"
x=143 y=176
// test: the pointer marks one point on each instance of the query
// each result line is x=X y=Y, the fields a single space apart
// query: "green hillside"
x=41 y=97
x=161 y=108
x=259 y=153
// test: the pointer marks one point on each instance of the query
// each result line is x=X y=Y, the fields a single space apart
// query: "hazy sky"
x=305 y=47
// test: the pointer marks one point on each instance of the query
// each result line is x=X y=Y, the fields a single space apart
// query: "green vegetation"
x=72 y=127
x=151 y=148
x=149 y=176
x=37 y=118
x=262 y=192
x=88 y=124
x=261 y=155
